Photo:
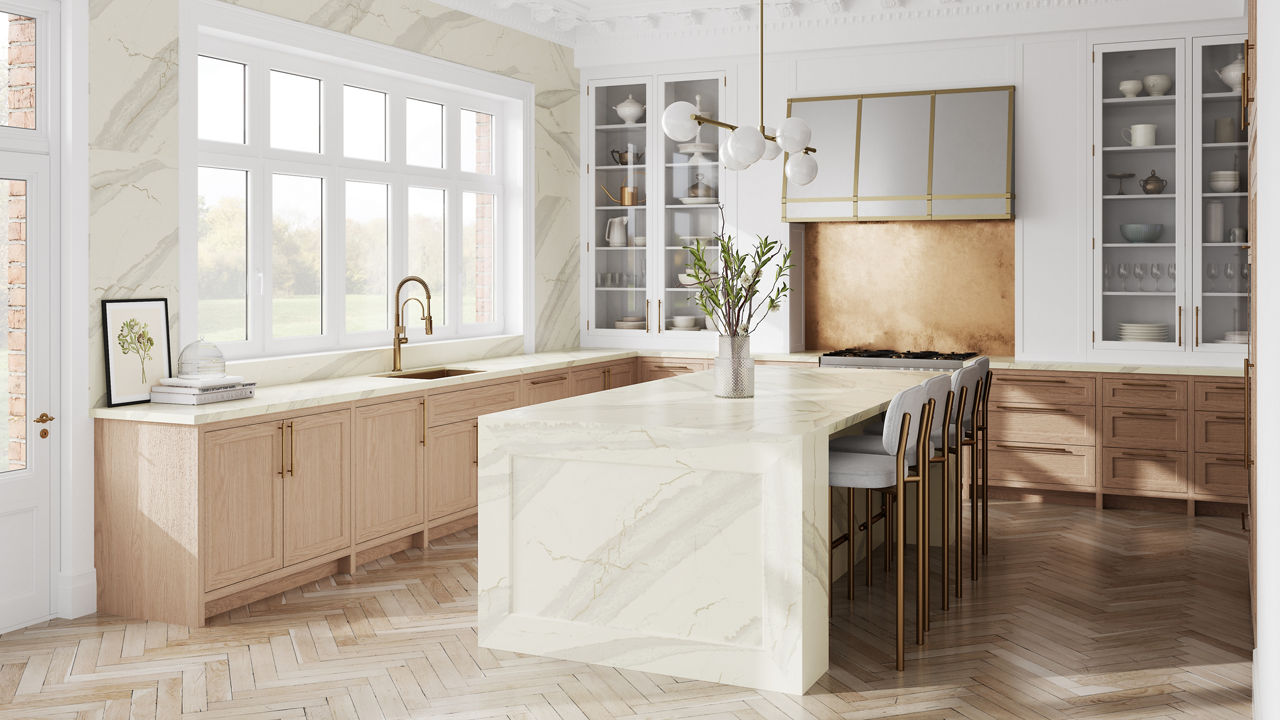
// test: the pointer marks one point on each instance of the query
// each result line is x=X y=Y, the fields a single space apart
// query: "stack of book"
x=184 y=391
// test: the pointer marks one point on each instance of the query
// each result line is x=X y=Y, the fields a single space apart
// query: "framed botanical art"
x=135 y=337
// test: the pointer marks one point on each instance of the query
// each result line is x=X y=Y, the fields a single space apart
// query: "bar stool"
x=938 y=390
x=966 y=383
x=980 y=427
x=887 y=468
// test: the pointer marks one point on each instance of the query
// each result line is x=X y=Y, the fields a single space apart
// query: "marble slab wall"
x=134 y=136
x=940 y=285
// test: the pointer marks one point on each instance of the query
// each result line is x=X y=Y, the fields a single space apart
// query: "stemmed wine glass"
x=1229 y=274
x=1244 y=276
x=1106 y=276
x=1156 y=275
x=1122 y=273
x=1139 y=271
x=1211 y=274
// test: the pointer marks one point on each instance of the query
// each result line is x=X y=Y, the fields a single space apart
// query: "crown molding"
x=541 y=20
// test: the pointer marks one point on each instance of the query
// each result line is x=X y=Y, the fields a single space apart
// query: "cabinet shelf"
x=637 y=168
x=1165 y=196
x=1216 y=96
x=620 y=126
x=1139 y=245
x=620 y=289
x=682 y=206
x=1139 y=148
x=706 y=163
x=1224 y=195
x=1142 y=100
x=639 y=207
x=1224 y=145
x=1225 y=294
x=1139 y=293
x=621 y=247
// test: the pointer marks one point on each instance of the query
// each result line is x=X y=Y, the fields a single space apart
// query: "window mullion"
x=256 y=130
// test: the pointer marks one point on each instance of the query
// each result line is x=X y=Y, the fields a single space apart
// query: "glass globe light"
x=678 y=123
x=793 y=135
x=771 y=149
x=801 y=168
x=746 y=144
x=728 y=160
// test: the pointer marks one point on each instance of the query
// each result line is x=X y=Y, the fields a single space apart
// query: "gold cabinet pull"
x=1032 y=409
x=646 y=316
x=424 y=423
x=1229 y=418
x=1024 y=381
x=1197 y=335
x=281 y=473
x=661 y=320
x=1248 y=414
x=1149 y=456
x=1030 y=449
x=292 y=448
x=1231 y=460
x=1179 y=326
x=1161 y=416
x=544 y=381
x=1244 y=94
x=1162 y=386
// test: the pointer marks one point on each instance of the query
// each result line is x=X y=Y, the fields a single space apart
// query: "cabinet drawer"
x=1136 y=393
x=1222 y=476
x=1219 y=396
x=1036 y=465
x=468 y=404
x=1017 y=389
x=545 y=388
x=1145 y=470
x=1062 y=425
x=1144 y=429
x=1220 y=433
x=658 y=368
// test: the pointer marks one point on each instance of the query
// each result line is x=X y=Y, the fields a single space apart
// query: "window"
x=18 y=71
x=319 y=186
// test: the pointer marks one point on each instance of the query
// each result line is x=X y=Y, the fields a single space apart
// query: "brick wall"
x=21 y=102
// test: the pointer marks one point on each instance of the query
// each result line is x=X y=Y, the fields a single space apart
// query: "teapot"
x=1153 y=184
x=1233 y=74
x=615 y=231
x=630 y=110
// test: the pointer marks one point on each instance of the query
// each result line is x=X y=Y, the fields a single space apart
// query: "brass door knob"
x=44 y=418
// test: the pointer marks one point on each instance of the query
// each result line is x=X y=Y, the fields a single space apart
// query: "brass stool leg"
x=922 y=555
x=946 y=531
x=853 y=528
x=869 y=529
x=890 y=522
x=986 y=494
x=959 y=510
x=901 y=541
x=973 y=510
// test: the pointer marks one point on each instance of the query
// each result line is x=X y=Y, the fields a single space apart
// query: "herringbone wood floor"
x=1080 y=614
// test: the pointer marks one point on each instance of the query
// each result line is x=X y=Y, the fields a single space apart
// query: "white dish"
x=632 y=318
x=684 y=321
x=684 y=279
x=629 y=325
x=695 y=147
x=699 y=200
x=690 y=240
x=673 y=328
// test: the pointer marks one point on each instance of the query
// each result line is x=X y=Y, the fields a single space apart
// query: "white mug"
x=1142 y=135
x=1237 y=235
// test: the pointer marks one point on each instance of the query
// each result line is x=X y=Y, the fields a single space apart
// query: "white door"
x=27 y=480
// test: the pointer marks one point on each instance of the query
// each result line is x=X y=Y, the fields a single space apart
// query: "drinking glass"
x=1156 y=276
x=1173 y=276
x=1229 y=274
x=1122 y=272
x=602 y=279
x=1244 y=276
x=1211 y=276
x=1139 y=275
x=1106 y=277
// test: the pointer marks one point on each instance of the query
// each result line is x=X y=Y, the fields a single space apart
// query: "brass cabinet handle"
x=1244 y=95
x=1151 y=456
x=1030 y=449
x=1197 y=335
x=1179 y=326
x=281 y=473
x=1033 y=410
x=1023 y=381
x=1232 y=461
x=1232 y=388
x=544 y=381
x=661 y=321
x=608 y=377
x=1162 y=416
x=1145 y=385
x=424 y=422
x=671 y=367
x=1229 y=418
x=292 y=448
x=1248 y=414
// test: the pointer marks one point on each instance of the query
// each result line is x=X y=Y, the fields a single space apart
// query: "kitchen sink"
x=431 y=373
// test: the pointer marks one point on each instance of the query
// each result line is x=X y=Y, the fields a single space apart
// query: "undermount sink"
x=431 y=373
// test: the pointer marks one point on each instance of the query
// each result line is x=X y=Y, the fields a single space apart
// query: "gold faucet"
x=401 y=336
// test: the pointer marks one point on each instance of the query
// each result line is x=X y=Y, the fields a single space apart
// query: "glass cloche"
x=201 y=360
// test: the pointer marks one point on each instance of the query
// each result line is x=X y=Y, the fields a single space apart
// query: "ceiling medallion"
x=745 y=145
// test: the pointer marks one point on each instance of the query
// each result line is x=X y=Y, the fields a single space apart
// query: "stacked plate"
x=1236 y=337
x=1144 y=332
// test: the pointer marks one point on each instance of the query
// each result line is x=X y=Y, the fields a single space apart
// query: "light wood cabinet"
x=1063 y=425
x=389 y=494
x=1144 y=429
x=1032 y=465
x=1221 y=475
x=317 y=486
x=242 y=504
x=1220 y=396
x=1148 y=471
x=1041 y=390
x=659 y=368
x=1220 y=433
x=451 y=470
x=1142 y=393
x=457 y=405
x=620 y=374
x=587 y=380
x=546 y=388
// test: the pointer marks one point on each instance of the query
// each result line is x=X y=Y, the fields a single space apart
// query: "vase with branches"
x=737 y=294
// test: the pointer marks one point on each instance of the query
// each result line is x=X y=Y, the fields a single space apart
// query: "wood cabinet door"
x=389 y=494
x=659 y=368
x=1148 y=471
x=587 y=380
x=240 y=505
x=1221 y=433
x=1062 y=425
x=1016 y=388
x=1143 y=429
x=317 y=487
x=620 y=374
x=1144 y=393
x=451 y=468
x=547 y=388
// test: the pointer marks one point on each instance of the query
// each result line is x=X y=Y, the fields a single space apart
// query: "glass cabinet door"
x=618 y=274
x=691 y=181
x=1139 y=204
x=1220 y=209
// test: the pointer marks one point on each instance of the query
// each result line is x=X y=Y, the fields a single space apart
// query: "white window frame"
x=264 y=43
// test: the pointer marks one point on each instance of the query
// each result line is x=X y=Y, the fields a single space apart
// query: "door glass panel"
x=366 y=256
x=13 y=211
x=427 y=245
x=220 y=100
x=297 y=205
x=295 y=112
x=364 y=123
x=222 y=252
x=424 y=128
x=477 y=142
x=18 y=72
x=477 y=257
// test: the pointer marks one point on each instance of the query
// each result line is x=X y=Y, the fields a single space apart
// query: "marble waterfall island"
x=659 y=528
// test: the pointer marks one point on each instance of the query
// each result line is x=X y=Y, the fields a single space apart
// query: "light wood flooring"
x=1079 y=614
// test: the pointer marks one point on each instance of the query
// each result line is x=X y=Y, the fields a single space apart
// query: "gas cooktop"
x=912 y=359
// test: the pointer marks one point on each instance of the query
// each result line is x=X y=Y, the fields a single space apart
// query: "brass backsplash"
x=945 y=286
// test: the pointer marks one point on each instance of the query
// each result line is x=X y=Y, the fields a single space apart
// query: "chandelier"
x=745 y=145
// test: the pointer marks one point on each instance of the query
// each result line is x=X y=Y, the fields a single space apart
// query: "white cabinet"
x=646 y=200
x=1161 y=236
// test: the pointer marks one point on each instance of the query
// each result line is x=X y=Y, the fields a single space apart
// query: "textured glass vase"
x=735 y=370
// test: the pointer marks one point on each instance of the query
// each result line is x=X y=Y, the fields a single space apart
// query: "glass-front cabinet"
x=652 y=199
x=1169 y=203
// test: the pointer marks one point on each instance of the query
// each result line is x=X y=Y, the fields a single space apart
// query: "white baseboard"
x=75 y=594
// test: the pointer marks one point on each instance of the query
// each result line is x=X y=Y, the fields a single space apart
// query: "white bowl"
x=1130 y=88
x=1220 y=185
x=684 y=321
x=684 y=279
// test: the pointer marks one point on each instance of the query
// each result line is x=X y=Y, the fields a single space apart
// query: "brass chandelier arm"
x=703 y=120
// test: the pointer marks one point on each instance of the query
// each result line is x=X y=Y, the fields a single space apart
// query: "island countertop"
x=659 y=528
